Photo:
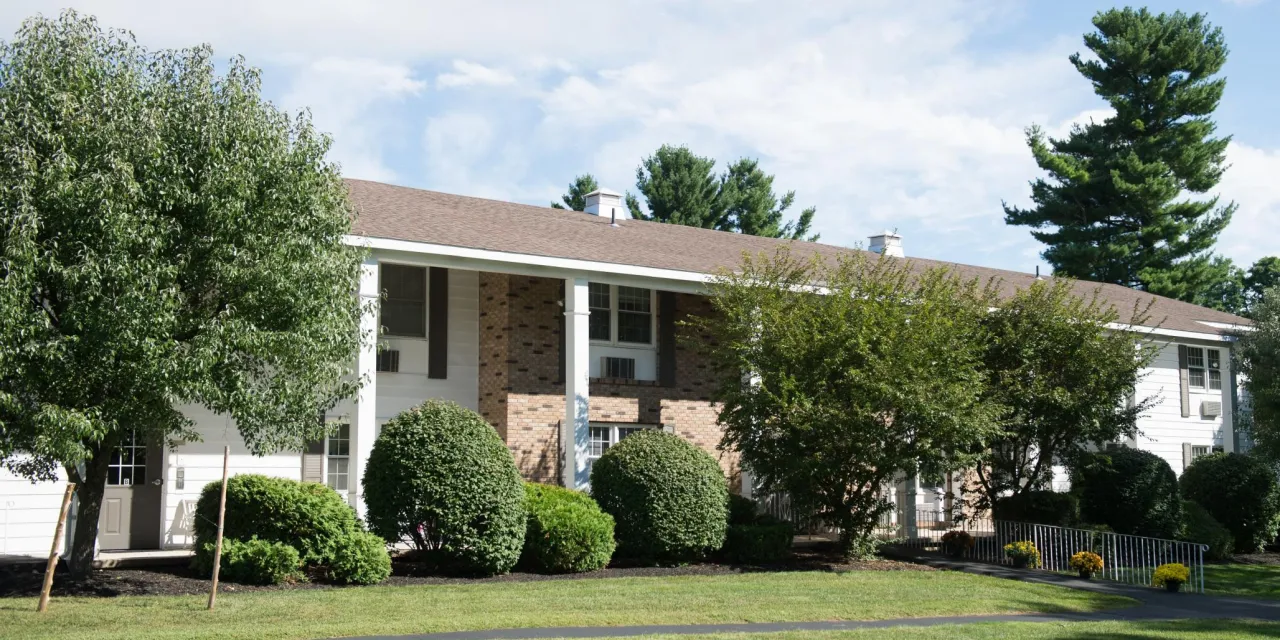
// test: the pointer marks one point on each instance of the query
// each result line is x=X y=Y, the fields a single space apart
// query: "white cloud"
x=1251 y=182
x=466 y=74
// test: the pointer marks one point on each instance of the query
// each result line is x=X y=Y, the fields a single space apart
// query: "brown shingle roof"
x=402 y=213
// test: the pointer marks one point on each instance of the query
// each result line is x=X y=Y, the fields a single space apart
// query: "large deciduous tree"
x=1119 y=202
x=169 y=238
x=829 y=394
x=576 y=198
x=1259 y=362
x=1063 y=381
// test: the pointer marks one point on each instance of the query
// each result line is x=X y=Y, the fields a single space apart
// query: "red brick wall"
x=522 y=395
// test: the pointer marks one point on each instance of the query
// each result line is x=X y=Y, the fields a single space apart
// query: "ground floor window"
x=605 y=435
x=338 y=457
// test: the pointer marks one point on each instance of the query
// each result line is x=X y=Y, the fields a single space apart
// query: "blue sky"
x=897 y=115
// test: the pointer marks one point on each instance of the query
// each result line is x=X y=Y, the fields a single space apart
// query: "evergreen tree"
x=680 y=188
x=1117 y=204
x=751 y=207
x=1263 y=275
x=576 y=198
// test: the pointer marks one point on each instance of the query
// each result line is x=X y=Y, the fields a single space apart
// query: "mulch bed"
x=25 y=580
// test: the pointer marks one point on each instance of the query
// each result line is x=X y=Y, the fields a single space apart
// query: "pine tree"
x=751 y=207
x=1118 y=203
x=680 y=188
x=576 y=197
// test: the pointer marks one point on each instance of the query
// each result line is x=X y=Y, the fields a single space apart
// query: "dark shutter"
x=438 y=324
x=1184 y=382
x=667 y=338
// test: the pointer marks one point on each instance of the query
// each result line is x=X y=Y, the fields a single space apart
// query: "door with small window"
x=130 y=515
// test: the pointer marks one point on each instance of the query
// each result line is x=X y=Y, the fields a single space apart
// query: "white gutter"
x=1170 y=333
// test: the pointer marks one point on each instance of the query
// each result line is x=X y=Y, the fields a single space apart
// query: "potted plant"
x=956 y=542
x=1171 y=576
x=1086 y=563
x=1023 y=553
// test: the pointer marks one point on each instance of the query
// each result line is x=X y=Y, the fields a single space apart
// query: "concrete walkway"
x=1154 y=605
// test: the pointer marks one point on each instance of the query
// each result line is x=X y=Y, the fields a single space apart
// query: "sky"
x=906 y=116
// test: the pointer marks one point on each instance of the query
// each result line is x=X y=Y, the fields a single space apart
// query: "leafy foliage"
x=1259 y=362
x=441 y=479
x=567 y=531
x=1134 y=492
x=1039 y=507
x=576 y=198
x=1240 y=491
x=1199 y=526
x=308 y=516
x=1061 y=379
x=667 y=496
x=168 y=237
x=251 y=561
x=766 y=540
x=1114 y=206
x=360 y=557
x=680 y=187
x=878 y=376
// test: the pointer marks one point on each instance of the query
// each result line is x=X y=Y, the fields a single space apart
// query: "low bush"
x=742 y=510
x=765 y=541
x=251 y=561
x=1024 y=551
x=1172 y=573
x=1199 y=526
x=1085 y=562
x=309 y=517
x=441 y=479
x=567 y=532
x=360 y=558
x=1241 y=492
x=669 y=498
x=1039 y=507
x=1132 y=491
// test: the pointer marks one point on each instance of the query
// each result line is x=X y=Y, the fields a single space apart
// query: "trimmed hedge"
x=1241 y=492
x=441 y=479
x=567 y=531
x=668 y=497
x=753 y=537
x=360 y=558
x=1132 y=491
x=307 y=516
x=1199 y=526
x=1039 y=507
x=742 y=510
x=252 y=561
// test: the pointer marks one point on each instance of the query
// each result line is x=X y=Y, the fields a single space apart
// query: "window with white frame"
x=1215 y=369
x=620 y=315
x=1204 y=368
x=1199 y=450
x=338 y=458
x=603 y=436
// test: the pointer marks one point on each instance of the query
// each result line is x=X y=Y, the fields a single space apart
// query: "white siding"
x=1163 y=429
x=28 y=514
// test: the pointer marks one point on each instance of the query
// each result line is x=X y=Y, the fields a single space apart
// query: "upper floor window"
x=620 y=314
x=1204 y=368
x=404 y=307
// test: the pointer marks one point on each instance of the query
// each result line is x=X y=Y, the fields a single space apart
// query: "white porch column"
x=364 y=423
x=574 y=431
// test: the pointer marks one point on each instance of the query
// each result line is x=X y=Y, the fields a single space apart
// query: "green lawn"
x=759 y=597
x=1179 y=630
x=1243 y=579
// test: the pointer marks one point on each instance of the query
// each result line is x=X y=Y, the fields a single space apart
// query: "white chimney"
x=888 y=243
x=606 y=203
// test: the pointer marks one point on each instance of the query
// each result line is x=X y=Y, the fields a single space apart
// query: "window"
x=128 y=464
x=1215 y=370
x=598 y=303
x=1199 y=450
x=338 y=457
x=603 y=436
x=624 y=312
x=404 y=307
x=1195 y=367
x=1204 y=368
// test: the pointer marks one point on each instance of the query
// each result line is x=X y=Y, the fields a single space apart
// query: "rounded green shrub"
x=1132 y=491
x=252 y=561
x=1241 y=492
x=567 y=531
x=668 y=497
x=1039 y=507
x=360 y=558
x=742 y=510
x=440 y=479
x=307 y=516
x=1199 y=526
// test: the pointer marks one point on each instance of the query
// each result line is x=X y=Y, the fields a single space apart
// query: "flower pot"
x=1085 y=574
x=953 y=550
x=1173 y=587
x=1020 y=562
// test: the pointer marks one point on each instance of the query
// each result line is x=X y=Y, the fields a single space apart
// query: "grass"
x=1243 y=579
x=760 y=597
x=1171 y=630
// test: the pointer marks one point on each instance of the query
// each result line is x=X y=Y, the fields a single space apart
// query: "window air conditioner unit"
x=1210 y=409
x=611 y=367
x=389 y=360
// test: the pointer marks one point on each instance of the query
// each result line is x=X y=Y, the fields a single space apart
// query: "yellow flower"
x=1023 y=549
x=1086 y=561
x=1172 y=573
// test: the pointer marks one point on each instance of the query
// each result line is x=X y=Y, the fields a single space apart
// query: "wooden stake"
x=222 y=513
x=53 y=552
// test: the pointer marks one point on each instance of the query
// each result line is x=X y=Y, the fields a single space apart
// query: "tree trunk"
x=89 y=493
